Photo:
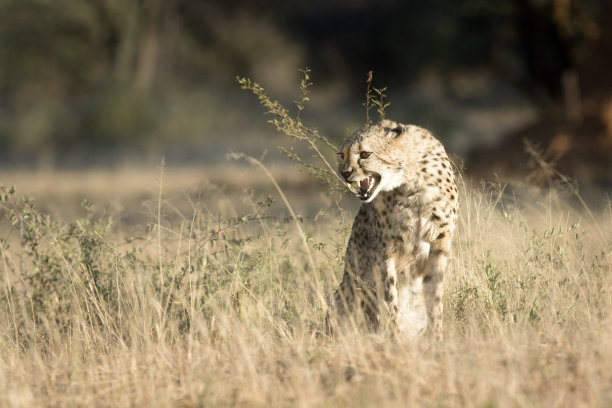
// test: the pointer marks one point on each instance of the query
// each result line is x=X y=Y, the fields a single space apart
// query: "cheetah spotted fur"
x=400 y=241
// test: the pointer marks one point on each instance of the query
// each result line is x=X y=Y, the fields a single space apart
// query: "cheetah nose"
x=346 y=174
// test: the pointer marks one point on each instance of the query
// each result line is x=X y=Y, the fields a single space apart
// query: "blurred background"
x=121 y=83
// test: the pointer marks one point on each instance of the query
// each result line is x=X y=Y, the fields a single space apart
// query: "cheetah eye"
x=365 y=155
x=341 y=156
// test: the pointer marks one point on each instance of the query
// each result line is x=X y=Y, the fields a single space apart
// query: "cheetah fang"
x=367 y=186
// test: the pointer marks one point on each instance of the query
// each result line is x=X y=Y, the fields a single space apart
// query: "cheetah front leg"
x=390 y=294
x=433 y=287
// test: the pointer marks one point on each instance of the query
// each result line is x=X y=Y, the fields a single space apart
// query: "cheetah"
x=400 y=241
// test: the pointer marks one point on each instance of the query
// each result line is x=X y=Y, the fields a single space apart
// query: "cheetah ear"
x=396 y=131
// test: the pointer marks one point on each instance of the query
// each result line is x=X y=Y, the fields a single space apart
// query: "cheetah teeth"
x=365 y=187
x=364 y=184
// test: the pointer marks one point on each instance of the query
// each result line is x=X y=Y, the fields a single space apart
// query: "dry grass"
x=203 y=311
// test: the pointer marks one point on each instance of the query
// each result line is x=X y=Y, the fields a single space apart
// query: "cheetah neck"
x=405 y=195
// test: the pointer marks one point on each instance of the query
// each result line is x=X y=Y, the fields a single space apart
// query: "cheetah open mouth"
x=367 y=186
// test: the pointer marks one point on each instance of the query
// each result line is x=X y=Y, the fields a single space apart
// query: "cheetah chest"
x=402 y=228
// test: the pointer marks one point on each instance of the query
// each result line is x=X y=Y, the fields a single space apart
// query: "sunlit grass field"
x=193 y=294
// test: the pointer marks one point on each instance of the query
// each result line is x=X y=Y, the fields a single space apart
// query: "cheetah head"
x=367 y=161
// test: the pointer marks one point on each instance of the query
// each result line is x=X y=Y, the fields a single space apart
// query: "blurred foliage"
x=78 y=72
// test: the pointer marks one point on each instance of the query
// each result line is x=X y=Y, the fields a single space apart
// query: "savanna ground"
x=194 y=287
